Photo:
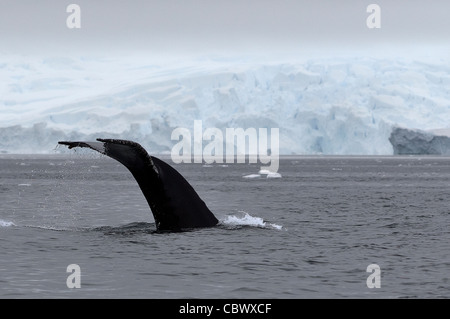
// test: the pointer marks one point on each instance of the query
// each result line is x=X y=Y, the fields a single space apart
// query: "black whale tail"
x=174 y=203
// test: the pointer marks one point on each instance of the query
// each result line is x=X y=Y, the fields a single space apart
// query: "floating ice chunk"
x=269 y=173
x=274 y=175
x=252 y=176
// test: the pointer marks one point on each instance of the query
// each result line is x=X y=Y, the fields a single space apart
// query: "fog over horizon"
x=202 y=28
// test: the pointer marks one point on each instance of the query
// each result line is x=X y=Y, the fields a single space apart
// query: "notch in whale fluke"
x=173 y=201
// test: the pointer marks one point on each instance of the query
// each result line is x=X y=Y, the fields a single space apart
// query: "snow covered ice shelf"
x=341 y=106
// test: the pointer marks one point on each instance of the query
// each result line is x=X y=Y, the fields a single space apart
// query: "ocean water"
x=310 y=233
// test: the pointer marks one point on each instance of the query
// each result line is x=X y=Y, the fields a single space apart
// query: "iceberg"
x=339 y=106
x=417 y=142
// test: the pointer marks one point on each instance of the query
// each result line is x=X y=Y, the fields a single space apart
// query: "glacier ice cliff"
x=417 y=142
x=335 y=106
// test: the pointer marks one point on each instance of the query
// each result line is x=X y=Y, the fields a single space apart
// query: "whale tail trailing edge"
x=173 y=201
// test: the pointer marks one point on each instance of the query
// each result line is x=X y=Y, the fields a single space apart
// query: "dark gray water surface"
x=310 y=234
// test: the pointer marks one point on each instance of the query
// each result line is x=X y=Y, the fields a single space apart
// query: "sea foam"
x=5 y=223
x=248 y=220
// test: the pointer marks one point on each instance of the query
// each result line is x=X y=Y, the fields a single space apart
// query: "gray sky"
x=225 y=26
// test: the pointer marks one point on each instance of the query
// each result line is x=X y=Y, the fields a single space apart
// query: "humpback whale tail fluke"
x=174 y=203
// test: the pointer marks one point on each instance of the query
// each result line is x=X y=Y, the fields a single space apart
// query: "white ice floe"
x=265 y=172
x=251 y=176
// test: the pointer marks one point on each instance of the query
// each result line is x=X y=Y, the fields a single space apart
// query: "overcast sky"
x=225 y=26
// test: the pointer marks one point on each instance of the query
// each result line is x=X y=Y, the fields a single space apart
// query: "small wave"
x=248 y=220
x=128 y=229
x=52 y=228
x=6 y=223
